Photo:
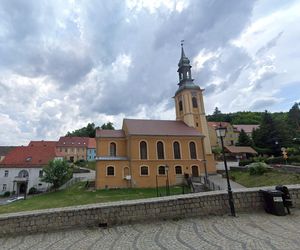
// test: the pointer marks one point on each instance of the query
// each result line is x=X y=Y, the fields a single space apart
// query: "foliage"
x=108 y=125
x=293 y=151
x=6 y=194
x=294 y=117
x=32 y=190
x=244 y=139
x=90 y=130
x=57 y=173
x=80 y=163
x=216 y=150
x=245 y=162
x=257 y=168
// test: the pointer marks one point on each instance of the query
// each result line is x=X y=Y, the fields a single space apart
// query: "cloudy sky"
x=66 y=63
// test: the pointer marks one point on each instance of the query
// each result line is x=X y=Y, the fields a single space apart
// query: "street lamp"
x=167 y=184
x=221 y=132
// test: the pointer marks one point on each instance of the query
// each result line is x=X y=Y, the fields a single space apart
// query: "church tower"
x=189 y=101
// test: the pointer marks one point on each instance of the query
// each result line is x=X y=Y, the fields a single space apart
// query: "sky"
x=65 y=63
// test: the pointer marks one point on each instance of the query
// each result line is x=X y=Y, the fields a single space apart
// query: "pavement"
x=247 y=231
x=217 y=179
x=86 y=176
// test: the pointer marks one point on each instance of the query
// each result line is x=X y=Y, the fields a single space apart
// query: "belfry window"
x=180 y=105
x=194 y=102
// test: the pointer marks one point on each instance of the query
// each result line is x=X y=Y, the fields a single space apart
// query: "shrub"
x=32 y=190
x=259 y=159
x=6 y=194
x=245 y=162
x=258 y=168
x=275 y=160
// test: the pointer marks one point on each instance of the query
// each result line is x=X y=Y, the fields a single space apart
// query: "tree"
x=57 y=173
x=244 y=139
x=108 y=125
x=217 y=111
x=294 y=117
x=88 y=131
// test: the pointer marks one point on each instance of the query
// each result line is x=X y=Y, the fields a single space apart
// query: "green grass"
x=91 y=165
x=78 y=195
x=270 y=178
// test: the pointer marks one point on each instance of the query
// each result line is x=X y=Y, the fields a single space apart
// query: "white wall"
x=33 y=180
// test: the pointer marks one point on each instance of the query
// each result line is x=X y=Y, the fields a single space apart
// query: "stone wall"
x=107 y=214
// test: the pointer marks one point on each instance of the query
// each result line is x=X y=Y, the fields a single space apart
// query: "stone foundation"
x=107 y=214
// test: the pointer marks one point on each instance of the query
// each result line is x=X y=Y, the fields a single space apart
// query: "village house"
x=91 y=150
x=4 y=150
x=23 y=166
x=248 y=128
x=146 y=153
x=73 y=148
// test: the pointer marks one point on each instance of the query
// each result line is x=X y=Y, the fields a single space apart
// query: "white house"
x=23 y=166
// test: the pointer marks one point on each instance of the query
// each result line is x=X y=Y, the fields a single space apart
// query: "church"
x=150 y=153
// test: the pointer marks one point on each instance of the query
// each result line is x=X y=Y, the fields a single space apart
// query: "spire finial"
x=181 y=43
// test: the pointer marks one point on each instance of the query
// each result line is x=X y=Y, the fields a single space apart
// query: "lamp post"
x=221 y=132
x=167 y=184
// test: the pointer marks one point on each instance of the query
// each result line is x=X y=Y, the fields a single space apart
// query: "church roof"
x=159 y=127
x=110 y=133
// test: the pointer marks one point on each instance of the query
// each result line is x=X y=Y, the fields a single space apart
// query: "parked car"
x=13 y=199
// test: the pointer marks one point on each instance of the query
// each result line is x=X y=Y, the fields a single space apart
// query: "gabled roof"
x=92 y=143
x=29 y=156
x=247 y=128
x=42 y=143
x=159 y=127
x=217 y=124
x=4 y=150
x=73 y=141
x=110 y=133
x=240 y=149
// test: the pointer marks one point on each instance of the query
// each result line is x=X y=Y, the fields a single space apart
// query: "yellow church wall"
x=103 y=146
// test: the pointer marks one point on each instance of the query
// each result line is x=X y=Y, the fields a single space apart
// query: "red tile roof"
x=92 y=143
x=240 y=149
x=42 y=143
x=217 y=124
x=246 y=128
x=159 y=127
x=30 y=156
x=74 y=141
x=109 y=133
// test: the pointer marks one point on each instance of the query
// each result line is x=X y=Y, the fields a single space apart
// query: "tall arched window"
x=176 y=148
x=160 y=150
x=112 y=149
x=180 y=106
x=193 y=152
x=194 y=101
x=143 y=150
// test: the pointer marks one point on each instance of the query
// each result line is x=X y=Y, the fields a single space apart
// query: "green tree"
x=108 y=125
x=57 y=173
x=294 y=117
x=217 y=111
x=88 y=131
x=244 y=139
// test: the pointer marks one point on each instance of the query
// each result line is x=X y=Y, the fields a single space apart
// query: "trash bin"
x=273 y=202
x=287 y=201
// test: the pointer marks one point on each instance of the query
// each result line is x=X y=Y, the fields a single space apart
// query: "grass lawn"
x=271 y=178
x=91 y=165
x=78 y=195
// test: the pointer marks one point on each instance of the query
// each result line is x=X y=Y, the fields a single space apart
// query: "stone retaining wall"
x=179 y=206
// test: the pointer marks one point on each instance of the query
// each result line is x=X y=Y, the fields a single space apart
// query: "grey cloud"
x=270 y=44
x=262 y=104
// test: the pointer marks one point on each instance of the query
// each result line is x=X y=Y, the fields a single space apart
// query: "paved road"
x=222 y=182
x=247 y=231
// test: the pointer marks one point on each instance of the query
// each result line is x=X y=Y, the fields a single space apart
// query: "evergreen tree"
x=294 y=117
x=244 y=139
x=108 y=125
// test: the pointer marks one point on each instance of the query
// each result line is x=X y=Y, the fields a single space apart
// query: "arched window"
x=176 y=148
x=143 y=150
x=193 y=152
x=160 y=150
x=110 y=171
x=194 y=101
x=180 y=106
x=23 y=174
x=178 y=170
x=112 y=149
x=144 y=170
x=162 y=170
